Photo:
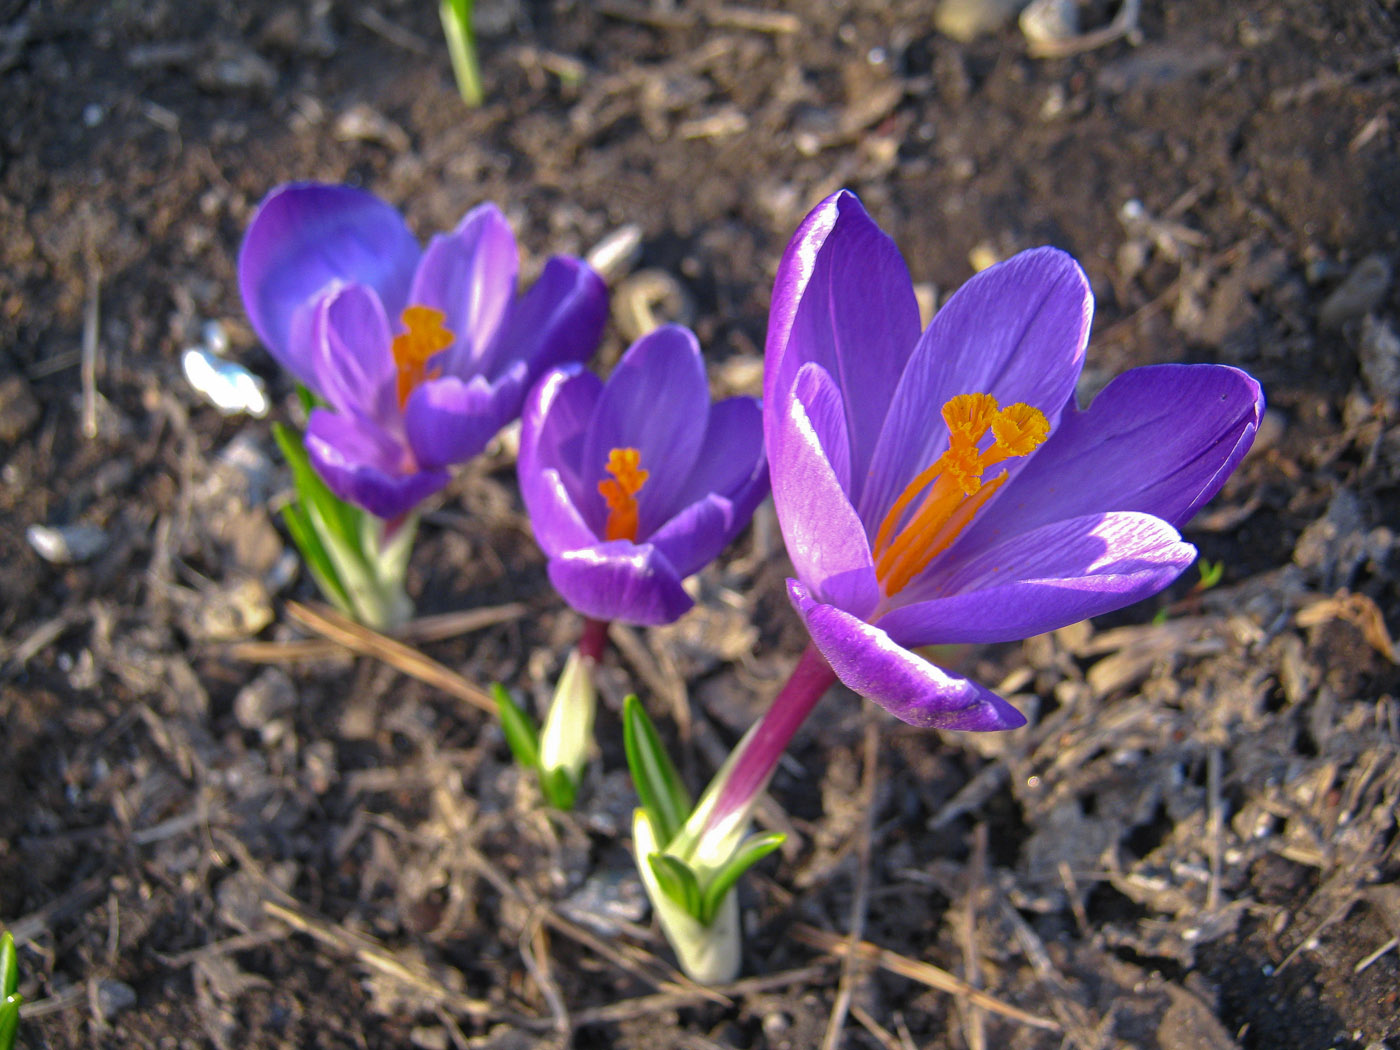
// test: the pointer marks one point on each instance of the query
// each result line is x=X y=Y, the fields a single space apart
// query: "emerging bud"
x=709 y=953
x=568 y=727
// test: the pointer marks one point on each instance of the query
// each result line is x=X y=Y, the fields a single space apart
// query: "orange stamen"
x=424 y=337
x=620 y=493
x=955 y=487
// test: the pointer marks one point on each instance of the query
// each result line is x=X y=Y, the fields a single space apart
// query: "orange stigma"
x=620 y=492
x=952 y=486
x=424 y=337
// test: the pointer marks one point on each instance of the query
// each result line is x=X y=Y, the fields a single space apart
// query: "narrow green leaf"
x=521 y=734
x=314 y=554
x=1211 y=573
x=677 y=881
x=654 y=775
x=9 y=997
x=461 y=48
x=318 y=500
x=9 y=966
x=9 y=1022
x=754 y=849
x=308 y=399
x=560 y=790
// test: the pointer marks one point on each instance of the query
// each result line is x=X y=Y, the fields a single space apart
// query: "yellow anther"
x=423 y=337
x=1020 y=429
x=954 y=487
x=969 y=415
x=620 y=492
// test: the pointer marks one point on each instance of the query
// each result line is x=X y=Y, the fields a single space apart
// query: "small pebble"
x=965 y=20
x=239 y=610
x=1358 y=295
x=362 y=123
x=228 y=386
x=1050 y=21
x=235 y=69
x=114 y=997
x=66 y=544
x=267 y=697
x=1380 y=358
x=215 y=337
x=617 y=253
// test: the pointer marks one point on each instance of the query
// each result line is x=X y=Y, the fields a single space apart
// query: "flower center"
x=424 y=336
x=620 y=492
x=952 y=486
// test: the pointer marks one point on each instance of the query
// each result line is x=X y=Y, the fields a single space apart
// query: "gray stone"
x=1358 y=295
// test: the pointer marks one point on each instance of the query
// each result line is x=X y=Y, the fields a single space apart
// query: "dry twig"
x=924 y=973
x=343 y=631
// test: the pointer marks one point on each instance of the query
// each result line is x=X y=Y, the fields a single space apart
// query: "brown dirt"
x=1194 y=845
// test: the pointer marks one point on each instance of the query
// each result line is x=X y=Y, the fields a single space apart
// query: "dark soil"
x=1192 y=845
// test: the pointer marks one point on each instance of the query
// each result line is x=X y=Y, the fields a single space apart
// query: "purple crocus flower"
x=422 y=355
x=635 y=484
x=944 y=488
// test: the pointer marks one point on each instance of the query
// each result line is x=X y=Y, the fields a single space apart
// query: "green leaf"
x=654 y=775
x=9 y=997
x=317 y=500
x=9 y=1022
x=314 y=554
x=678 y=882
x=521 y=734
x=1211 y=573
x=560 y=790
x=307 y=399
x=461 y=48
x=9 y=966
x=754 y=849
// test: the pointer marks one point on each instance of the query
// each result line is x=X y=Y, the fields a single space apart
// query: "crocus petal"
x=695 y=536
x=450 y=421
x=350 y=355
x=733 y=460
x=306 y=236
x=620 y=581
x=872 y=664
x=1160 y=440
x=1017 y=331
x=558 y=321
x=657 y=401
x=556 y=417
x=361 y=465
x=843 y=299
x=469 y=274
x=825 y=539
x=1042 y=580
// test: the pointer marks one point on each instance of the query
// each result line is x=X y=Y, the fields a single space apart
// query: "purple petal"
x=620 y=581
x=305 y=236
x=552 y=429
x=825 y=539
x=350 y=353
x=694 y=537
x=449 y=421
x=558 y=321
x=869 y=662
x=728 y=482
x=470 y=276
x=362 y=465
x=1042 y=580
x=658 y=402
x=1160 y=440
x=843 y=299
x=1016 y=331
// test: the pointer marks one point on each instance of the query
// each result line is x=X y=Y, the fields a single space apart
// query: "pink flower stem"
x=790 y=708
x=594 y=639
